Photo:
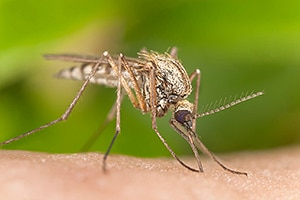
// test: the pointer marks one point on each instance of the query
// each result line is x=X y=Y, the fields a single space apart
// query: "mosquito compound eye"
x=184 y=117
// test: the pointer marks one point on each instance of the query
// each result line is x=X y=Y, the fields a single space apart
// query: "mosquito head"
x=183 y=113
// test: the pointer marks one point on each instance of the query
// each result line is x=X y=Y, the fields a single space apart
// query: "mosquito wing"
x=105 y=74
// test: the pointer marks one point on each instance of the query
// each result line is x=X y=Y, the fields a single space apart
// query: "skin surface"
x=272 y=174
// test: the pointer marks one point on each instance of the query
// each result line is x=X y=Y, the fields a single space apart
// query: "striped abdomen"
x=105 y=75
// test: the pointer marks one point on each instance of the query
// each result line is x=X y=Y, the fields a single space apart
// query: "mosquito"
x=155 y=83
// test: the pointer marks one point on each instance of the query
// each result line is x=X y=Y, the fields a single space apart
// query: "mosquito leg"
x=197 y=73
x=189 y=139
x=154 y=125
x=196 y=154
x=65 y=115
x=194 y=141
x=118 y=121
x=172 y=152
x=110 y=116
x=204 y=149
x=122 y=79
x=137 y=89
x=121 y=84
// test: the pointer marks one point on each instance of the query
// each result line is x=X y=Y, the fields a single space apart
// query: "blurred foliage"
x=238 y=45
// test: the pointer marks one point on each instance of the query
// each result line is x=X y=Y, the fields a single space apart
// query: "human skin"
x=272 y=174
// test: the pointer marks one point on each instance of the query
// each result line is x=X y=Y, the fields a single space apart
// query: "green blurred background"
x=238 y=45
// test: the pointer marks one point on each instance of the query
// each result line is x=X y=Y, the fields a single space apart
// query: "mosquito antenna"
x=216 y=104
x=220 y=102
x=225 y=100
x=204 y=108
x=236 y=101
x=210 y=106
x=241 y=95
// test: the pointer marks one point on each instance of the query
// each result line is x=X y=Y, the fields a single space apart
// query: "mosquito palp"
x=154 y=83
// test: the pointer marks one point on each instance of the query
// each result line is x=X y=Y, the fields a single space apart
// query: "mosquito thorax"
x=183 y=113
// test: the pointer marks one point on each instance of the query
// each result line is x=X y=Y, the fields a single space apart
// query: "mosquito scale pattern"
x=104 y=75
x=155 y=83
x=172 y=80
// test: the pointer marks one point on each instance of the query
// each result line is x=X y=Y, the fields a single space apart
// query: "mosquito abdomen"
x=103 y=76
